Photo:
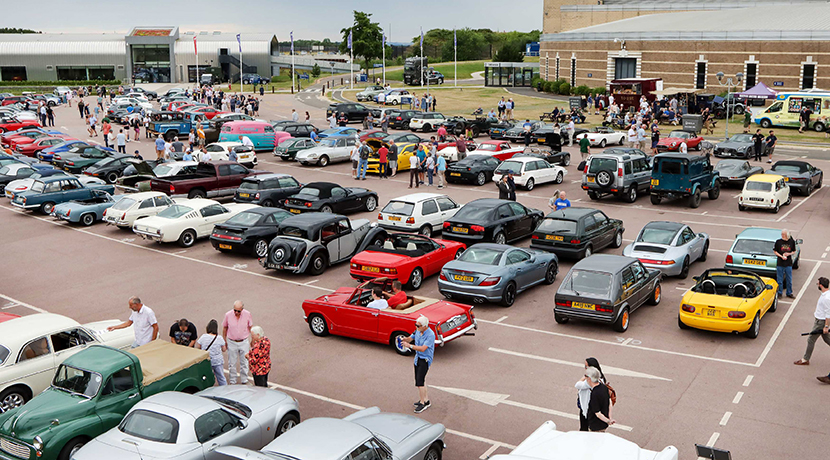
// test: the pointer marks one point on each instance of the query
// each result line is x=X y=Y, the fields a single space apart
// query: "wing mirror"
x=696 y=278
x=243 y=424
x=768 y=287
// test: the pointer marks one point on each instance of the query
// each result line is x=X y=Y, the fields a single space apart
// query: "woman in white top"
x=583 y=391
x=214 y=345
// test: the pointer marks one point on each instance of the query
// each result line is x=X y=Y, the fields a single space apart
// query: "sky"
x=308 y=19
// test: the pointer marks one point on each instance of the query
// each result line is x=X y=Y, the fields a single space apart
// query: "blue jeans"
x=429 y=176
x=781 y=274
x=361 y=168
x=219 y=373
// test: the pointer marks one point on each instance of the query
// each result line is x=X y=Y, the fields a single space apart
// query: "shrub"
x=582 y=90
x=599 y=90
x=565 y=88
x=554 y=86
x=69 y=83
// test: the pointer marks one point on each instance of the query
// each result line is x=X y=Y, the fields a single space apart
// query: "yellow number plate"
x=591 y=180
x=295 y=211
x=395 y=219
x=710 y=312
x=371 y=269
x=455 y=174
x=786 y=179
x=244 y=195
x=584 y=306
x=225 y=246
x=762 y=263
x=553 y=237
x=655 y=182
x=468 y=279
x=460 y=230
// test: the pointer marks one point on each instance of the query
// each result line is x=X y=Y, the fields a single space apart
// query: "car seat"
x=388 y=244
x=708 y=287
x=411 y=247
x=739 y=290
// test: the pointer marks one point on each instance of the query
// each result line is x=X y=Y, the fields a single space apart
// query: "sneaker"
x=421 y=407
x=416 y=403
x=790 y=296
x=824 y=379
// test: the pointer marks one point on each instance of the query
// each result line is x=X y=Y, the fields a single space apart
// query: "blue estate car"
x=47 y=192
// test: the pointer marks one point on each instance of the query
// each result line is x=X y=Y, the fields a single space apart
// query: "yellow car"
x=405 y=151
x=728 y=300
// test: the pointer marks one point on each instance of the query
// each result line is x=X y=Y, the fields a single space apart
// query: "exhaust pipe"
x=478 y=300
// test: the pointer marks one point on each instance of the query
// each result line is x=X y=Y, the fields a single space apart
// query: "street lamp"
x=729 y=83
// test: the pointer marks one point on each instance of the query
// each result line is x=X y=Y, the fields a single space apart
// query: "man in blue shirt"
x=423 y=342
x=188 y=155
x=159 y=147
x=559 y=201
x=232 y=156
x=313 y=135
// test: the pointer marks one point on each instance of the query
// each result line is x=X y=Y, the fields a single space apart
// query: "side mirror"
x=243 y=424
x=768 y=287
x=696 y=278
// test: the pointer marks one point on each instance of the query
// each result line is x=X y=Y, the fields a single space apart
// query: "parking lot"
x=675 y=387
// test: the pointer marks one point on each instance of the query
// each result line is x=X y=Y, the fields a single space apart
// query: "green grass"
x=281 y=82
x=465 y=70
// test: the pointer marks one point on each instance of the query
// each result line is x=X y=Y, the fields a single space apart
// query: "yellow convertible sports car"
x=404 y=152
x=728 y=300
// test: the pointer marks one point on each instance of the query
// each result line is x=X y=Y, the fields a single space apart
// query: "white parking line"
x=500 y=319
x=737 y=398
x=19 y=303
x=725 y=419
x=721 y=225
x=607 y=369
x=748 y=380
x=794 y=208
x=489 y=452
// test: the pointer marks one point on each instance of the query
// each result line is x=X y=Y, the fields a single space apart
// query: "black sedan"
x=403 y=138
x=735 y=172
x=249 y=231
x=267 y=190
x=606 y=289
x=329 y=197
x=577 y=232
x=475 y=169
x=554 y=157
x=352 y=110
x=800 y=175
x=110 y=169
x=491 y=220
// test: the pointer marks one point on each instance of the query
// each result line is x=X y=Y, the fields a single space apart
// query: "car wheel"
x=765 y=123
x=738 y=110
x=458 y=253
x=741 y=207
x=705 y=252
x=11 y=398
x=655 y=199
x=88 y=219
x=550 y=273
x=47 y=207
x=774 y=306
x=559 y=178
x=499 y=238
x=318 y=264
x=602 y=143
x=416 y=278
x=426 y=230
x=325 y=208
x=260 y=248
x=694 y=200
x=566 y=161
x=755 y=327
x=405 y=125
x=529 y=185
x=481 y=179
x=399 y=349
x=681 y=324
x=631 y=196
x=621 y=324
x=593 y=196
x=776 y=208
x=427 y=128
x=268 y=204
x=324 y=161
x=618 y=240
x=809 y=189
x=71 y=448
x=587 y=252
x=508 y=296
x=318 y=325
x=371 y=203
x=789 y=199
x=288 y=422
x=434 y=452
x=684 y=270
x=714 y=192
x=604 y=178
x=196 y=193
x=112 y=177
x=560 y=319
x=819 y=127
x=656 y=294
x=187 y=238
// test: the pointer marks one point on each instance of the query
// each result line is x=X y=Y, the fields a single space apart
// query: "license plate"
x=591 y=180
x=710 y=312
x=786 y=179
x=455 y=174
x=394 y=219
x=754 y=198
x=9 y=195
x=468 y=279
x=540 y=140
x=553 y=237
x=655 y=182
x=762 y=263
x=460 y=230
x=371 y=269
x=225 y=246
x=110 y=219
x=584 y=306
x=295 y=211
x=244 y=195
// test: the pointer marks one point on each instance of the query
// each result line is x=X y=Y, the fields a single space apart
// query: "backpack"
x=612 y=394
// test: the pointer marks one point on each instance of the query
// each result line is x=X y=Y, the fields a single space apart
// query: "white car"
x=141 y=97
x=21 y=115
x=424 y=213
x=219 y=151
x=32 y=346
x=397 y=97
x=546 y=443
x=329 y=150
x=187 y=220
x=129 y=209
x=129 y=101
x=427 y=121
x=529 y=171
x=21 y=185
x=764 y=191
x=603 y=135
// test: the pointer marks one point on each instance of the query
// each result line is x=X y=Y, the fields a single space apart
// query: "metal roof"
x=61 y=44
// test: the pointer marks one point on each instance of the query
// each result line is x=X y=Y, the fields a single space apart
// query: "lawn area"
x=281 y=82
x=465 y=70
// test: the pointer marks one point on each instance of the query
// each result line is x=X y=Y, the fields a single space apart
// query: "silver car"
x=179 y=426
x=669 y=247
x=364 y=435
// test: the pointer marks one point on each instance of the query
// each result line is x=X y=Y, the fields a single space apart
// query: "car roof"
x=800 y=164
x=570 y=213
x=605 y=263
x=680 y=156
x=34 y=326
x=262 y=177
x=767 y=177
x=760 y=233
x=144 y=195
x=494 y=141
x=522 y=159
x=182 y=403
x=303 y=441
x=323 y=186
x=55 y=178
x=196 y=203
x=263 y=210
x=311 y=219
x=417 y=197
x=493 y=202
x=665 y=225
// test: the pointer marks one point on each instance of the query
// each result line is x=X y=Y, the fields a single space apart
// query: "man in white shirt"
x=246 y=141
x=821 y=326
x=294 y=115
x=143 y=320
x=379 y=301
x=332 y=121
x=683 y=147
x=632 y=137
x=571 y=131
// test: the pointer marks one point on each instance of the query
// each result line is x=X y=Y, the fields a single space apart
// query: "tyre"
x=427 y=128
x=324 y=161
x=196 y=193
x=13 y=397
x=187 y=238
x=434 y=452
x=394 y=342
x=741 y=207
x=705 y=252
x=425 y=230
x=618 y=240
x=560 y=319
x=631 y=196
x=684 y=270
x=71 y=448
x=371 y=203
x=714 y=192
x=681 y=324
x=622 y=322
x=755 y=327
x=789 y=199
x=318 y=264
x=602 y=143
x=765 y=123
x=795 y=263
x=416 y=279
x=88 y=219
x=481 y=179
x=499 y=238
x=529 y=185
x=112 y=177
x=47 y=207
x=819 y=127
x=288 y=421
x=694 y=200
x=809 y=189
x=325 y=208
x=458 y=253
x=655 y=199
x=476 y=131
x=656 y=294
x=593 y=196
x=268 y=204
x=774 y=306
x=559 y=178
x=604 y=178
x=776 y=208
x=260 y=248
x=550 y=273
x=318 y=325
x=566 y=161
x=405 y=125
x=738 y=110
x=508 y=296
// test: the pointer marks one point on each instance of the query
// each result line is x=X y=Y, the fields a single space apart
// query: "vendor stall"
x=627 y=91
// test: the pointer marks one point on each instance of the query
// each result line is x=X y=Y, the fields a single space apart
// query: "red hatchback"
x=31 y=149
x=13 y=124
x=344 y=313
x=407 y=258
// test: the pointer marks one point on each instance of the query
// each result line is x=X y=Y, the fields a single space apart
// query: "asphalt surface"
x=493 y=389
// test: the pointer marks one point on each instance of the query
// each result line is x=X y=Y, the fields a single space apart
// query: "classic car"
x=76 y=160
x=488 y=272
x=682 y=176
x=373 y=134
x=554 y=157
x=295 y=128
x=604 y=135
x=407 y=258
x=424 y=213
x=13 y=123
x=353 y=111
x=46 y=154
x=732 y=301
x=46 y=192
x=426 y=121
x=208 y=112
x=340 y=131
x=670 y=247
x=287 y=150
x=493 y=220
x=187 y=220
x=577 y=232
x=476 y=169
x=517 y=132
x=369 y=93
x=395 y=97
x=109 y=169
x=31 y=149
x=21 y=185
x=735 y=172
x=501 y=150
x=405 y=152
x=86 y=211
x=497 y=130
x=364 y=435
x=261 y=134
x=17 y=143
x=799 y=175
x=249 y=231
x=765 y=191
x=37 y=131
x=267 y=189
x=529 y=171
x=220 y=151
x=753 y=249
x=738 y=146
x=15 y=171
x=129 y=209
x=675 y=138
x=553 y=136
x=606 y=288
x=329 y=197
x=145 y=171
x=328 y=150
x=173 y=425
x=479 y=125
x=32 y=346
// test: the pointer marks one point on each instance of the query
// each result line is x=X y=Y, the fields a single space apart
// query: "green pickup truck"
x=92 y=391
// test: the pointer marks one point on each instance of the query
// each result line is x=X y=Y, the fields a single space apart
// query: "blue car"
x=753 y=250
x=46 y=154
x=45 y=193
x=339 y=131
x=87 y=211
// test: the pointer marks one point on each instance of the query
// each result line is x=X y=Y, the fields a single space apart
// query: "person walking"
x=332 y=119
x=441 y=168
x=414 y=166
x=747 y=117
x=214 y=345
x=430 y=168
x=236 y=330
x=641 y=137
x=461 y=147
x=363 y=164
x=632 y=136
x=354 y=156
x=571 y=131
x=526 y=128
x=655 y=138
x=392 y=156
x=81 y=107
x=559 y=201
x=821 y=325
x=50 y=115
x=92 y=122
x=143 y=320
x=508 y=107
x=583 y=393
x=159 y=148
x=183 y=332
x=599 y=405
x=383 y=158
x=259 y=357
x=771 y=140
x=384 y=122
x=758 y=143
x=121 y=141
x=422 y=341
x=584 y=146
x=784 y=249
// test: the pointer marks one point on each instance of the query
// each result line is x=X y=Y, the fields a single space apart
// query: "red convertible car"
x=373 y=134
x=29 y=137
x=208 y=112
x=407 y=258
x=31 y=149
x=13 y=124
x=344 y=313
x=672 y=142
x=498 y=149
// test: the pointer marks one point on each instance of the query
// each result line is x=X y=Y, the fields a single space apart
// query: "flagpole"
x=196 y=49
x=383 y=45
x=455 y=56
x=422 y=60
x=292 y=60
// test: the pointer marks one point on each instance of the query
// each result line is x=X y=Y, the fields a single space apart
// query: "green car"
x=288 y=148
x=753 y=250
x=87 y=156
x=92 y=391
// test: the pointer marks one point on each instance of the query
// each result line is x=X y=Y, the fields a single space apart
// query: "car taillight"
x=492 y=281
x=566 y=303
x=286 y=201
x=172 y=189
x=575 y=241
x=771 y=200
x=354 y=265
x=389 y=271
x=442 y=277
x=657 y=262
x=123 y=216
x=256 y=197
x=619 y=172
x=605 y=308
x=729 y=259
x=410 y=220
x=67 y=212
x=380 y=216
x=737 y=314
x=534 y=237
x=688 y=308
x=307 y=204
x=399 y=118
x=477 y=228
x=447 y=225
x=72 y=163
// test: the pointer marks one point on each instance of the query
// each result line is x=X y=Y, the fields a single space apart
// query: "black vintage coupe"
x=331 y=198
x=249 y=231
x=110 y=169
x=577 y=232
x=800 y=175
x=475 y=169
x=491 y=220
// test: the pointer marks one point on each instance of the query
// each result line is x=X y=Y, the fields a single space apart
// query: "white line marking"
x=704 y=213
x=627 y=341
x=786 y=318
x=310 y=282
x=718 y=225
x=738 y=397
x=64 y=127
x=181 y=252
x=489 y=451
x=823 y=255
x=23 y=304
x=500 y=319
x=713 y=439
x=748 y=380
x=10 y=306
x=827 y=249
x=725 y=418
x=794 y=208
x=681 y=288
x=610 y=370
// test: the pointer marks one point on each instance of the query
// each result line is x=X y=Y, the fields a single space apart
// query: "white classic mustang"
x=187 y=220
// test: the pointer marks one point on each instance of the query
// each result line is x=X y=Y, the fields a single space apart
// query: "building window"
x=151 y=63
x=573 y=71
x=700 y=75
x=86 y=73
x=808 y=76
x=625 y=68
x=751 y=73
x=10 y=73
x=557 y=68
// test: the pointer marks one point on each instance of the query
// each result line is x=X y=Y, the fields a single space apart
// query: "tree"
x=315 y=71
x=366 y=38
x=471 y=46
x=15 y=30
x=512 y=51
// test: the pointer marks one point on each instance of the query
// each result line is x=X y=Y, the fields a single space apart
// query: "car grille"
x=453 y=323
x=728 y=152
x=14 y=448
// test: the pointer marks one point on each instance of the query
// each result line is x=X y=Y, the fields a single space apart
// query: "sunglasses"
x=237 y=312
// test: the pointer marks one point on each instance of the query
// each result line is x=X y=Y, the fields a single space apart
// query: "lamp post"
x=729 y=83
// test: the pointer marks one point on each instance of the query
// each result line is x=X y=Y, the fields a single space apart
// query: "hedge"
x=565 y=88
x=69 y=83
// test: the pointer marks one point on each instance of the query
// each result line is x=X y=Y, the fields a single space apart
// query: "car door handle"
x=132 y=396
x=212 y=447
x=374 y=314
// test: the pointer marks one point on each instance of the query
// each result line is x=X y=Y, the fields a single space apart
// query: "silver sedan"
x=184 y=427
x=670 y=247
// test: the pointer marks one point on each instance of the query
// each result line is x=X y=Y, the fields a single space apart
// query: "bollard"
x=292 y=89
x=272 y=89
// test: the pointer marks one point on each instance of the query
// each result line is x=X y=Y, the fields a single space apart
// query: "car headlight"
x=37 y=443
x=312 y=155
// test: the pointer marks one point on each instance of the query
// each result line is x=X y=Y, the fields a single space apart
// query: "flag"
x=194 y=46
x=239 y=40
x=422 y=40
x=350 y=39
x=383 y=43
x=454 y=39
x=292 y=42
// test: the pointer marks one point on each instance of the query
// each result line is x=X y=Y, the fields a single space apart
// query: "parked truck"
x=219 y=178
x=172 y=124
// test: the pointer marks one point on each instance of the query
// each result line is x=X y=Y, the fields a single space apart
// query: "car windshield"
x=400 y=208
x=123 y=204
x=727 y=164
x=234 y=406
x=330 y=132
x=4 y=354
x=741 y=138
x=588 y=282
x=106 y=162
x=600 y=164
x=557 y=226
x=214 y=148
x=656 y=235
x=151 y=426
x=37 y=186
x=295 y=232
x=328 y=142
x=509 y=166
x=4 y=170
x=680 y=134
x=748 y=246
x=77 y=381
x=244 y=219
x=481 y=214
x=162 y=170
x=175 y=211
x=758 y=186
x=309 y=191
x=487 y=147
x=249 y=185
x=484 y=256
x=673 y=166
x=787 y=168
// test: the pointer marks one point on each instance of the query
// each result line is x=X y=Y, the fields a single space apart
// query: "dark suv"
x=680 y=175
x=622 y=172
x=269 y=190
x=296 y=129
x=399 y=118
x=353 y=111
